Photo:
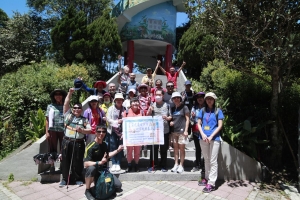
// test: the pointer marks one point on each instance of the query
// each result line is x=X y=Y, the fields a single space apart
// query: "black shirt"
x=95 y=151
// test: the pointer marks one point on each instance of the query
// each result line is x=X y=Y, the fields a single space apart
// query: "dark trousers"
x=199 y=162
x=77 y=162
x=155 y=155
x=55 y=136
x=93 y=171
x=164 y=151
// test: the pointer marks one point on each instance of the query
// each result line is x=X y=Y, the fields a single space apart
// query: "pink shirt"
x=172 y=78
x=153 y=90
x=144 y=103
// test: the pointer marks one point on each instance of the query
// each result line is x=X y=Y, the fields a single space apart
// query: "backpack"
x=216 y=113
x=105 y=186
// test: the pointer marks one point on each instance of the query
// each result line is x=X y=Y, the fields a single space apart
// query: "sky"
x=20 y=5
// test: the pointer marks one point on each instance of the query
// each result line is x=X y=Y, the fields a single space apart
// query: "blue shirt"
x=209 y=120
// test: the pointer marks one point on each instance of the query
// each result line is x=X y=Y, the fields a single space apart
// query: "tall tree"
x=56 y=8
x=3 y=18
x=24 y=39
x=197 y=46
x=75 y=40
x=68 y=36
x=255 y=32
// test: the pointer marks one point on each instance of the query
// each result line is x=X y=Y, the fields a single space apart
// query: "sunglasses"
x=76 y=108
x=101 y=131
x=199 y=97
x=170 y=85
x=57 y=94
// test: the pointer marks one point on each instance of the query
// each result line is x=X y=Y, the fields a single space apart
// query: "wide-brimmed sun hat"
x=143 y=86
x=63 y=92
x=176 y=94
x=211 y=94
x=103 y=83
x=93 y=98
x=118 y=96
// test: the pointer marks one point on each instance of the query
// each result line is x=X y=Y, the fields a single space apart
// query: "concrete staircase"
x=233 y=164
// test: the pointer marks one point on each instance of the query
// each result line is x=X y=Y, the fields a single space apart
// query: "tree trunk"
x=276 y=140
x=299 y=149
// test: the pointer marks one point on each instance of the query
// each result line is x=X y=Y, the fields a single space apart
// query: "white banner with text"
x=144 y=130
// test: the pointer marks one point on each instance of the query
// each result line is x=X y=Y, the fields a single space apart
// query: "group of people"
x=89 y=138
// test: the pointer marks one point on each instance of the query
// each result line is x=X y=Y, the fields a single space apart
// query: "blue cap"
x=78 y=84
x=188 y=82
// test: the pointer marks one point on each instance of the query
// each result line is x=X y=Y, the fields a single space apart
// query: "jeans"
x=113 y=141
x=210 y=152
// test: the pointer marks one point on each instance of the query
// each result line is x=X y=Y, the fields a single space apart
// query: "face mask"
x=106 y=102
x=158 y=98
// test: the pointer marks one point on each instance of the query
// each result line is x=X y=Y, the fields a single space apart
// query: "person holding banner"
x=114 y=138
x=180 y=124
x=134 y=111
x=160 y=108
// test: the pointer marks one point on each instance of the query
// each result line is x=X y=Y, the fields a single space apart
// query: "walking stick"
x=153 y=144
x=70 y=169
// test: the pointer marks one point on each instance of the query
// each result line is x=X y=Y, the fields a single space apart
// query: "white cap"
x=93 y=98
x=211 y=94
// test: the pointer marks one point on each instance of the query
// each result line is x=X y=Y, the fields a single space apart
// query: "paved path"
x=146 y=190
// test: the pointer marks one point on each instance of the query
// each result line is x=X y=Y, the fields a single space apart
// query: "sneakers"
x=164 y=170
x=195 y=169
x=174 y=169
x=202 y=182
x=137 y=168
x=88 y=195
x=117 y=168
x=113 y=168
x=208 y=188
x=150 y=169
x=62 y=183
x=129 y=168
x=180 y=169
x=52 y=169
x=80 y=183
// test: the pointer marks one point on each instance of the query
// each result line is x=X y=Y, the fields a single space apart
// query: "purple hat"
x=200 y=93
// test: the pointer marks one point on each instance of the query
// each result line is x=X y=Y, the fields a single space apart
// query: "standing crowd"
x=89 y=138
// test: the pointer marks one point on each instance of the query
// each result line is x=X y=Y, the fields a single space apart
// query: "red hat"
x=100 y=82
x=106 y=94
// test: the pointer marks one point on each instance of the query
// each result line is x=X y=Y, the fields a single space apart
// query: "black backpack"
x=105 y=186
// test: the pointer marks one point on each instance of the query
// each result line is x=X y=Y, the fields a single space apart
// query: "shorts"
x=178 y=138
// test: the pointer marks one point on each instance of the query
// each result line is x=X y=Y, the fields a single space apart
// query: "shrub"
x=27 y=90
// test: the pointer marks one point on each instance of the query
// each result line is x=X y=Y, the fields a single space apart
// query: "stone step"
x=47 y=177
x=189 y=152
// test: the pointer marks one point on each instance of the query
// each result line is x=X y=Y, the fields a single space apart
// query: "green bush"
x=27 y=90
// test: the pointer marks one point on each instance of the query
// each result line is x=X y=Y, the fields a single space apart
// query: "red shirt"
x=94 y=120
x=172 y=78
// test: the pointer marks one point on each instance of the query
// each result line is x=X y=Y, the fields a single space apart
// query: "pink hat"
x=132 y=90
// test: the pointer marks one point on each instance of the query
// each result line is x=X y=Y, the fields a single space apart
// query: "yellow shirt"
x=149 y=80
